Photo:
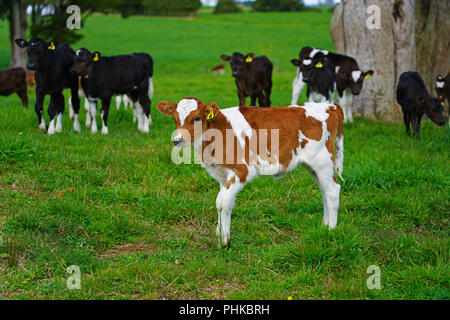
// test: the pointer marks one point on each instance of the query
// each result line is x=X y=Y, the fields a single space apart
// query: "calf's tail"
x=151 y=89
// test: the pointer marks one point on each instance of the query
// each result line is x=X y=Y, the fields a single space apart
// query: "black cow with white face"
x=253 y=77
x=51 y=63
x=413 y=96
x=318 y=74
x=103 y=77
x=348 y=76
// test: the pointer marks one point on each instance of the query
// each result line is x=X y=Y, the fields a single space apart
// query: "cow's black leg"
x=241 y=99
x=262 y=99
x=417 y=128
x=268 y=91
x=52 y=110
x=144 y=104
x=104 y=114
x=406 y=120
x=253 y=100
x=76 y=107
x=38 y=107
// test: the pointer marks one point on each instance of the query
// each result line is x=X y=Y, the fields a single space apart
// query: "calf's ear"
x=21 y=43
x=166 y=107
x=368 y=74
x=295 y=62
x=211 y=110
x=225 y=58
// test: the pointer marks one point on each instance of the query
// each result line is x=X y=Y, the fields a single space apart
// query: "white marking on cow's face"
x=440 y=84
x=356 y=75
x=307 y=62
x=238 y=123
x=337 y=69
x=185 y=107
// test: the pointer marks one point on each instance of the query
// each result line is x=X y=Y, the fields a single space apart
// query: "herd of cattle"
x=94 y=77
x=310 y=136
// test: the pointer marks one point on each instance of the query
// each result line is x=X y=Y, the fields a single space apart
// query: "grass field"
x=140 y=227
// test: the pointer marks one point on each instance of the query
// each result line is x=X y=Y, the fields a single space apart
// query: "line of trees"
x=48 y=17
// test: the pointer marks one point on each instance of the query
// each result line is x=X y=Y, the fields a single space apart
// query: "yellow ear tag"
x=96 y=58
x=442 y=103
x=211 y=115
x=249 y=59
x=51 y=46
x=368 y=76
x=319 y=65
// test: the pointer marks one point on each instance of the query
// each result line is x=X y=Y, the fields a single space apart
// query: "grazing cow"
x=318 y=74
x=14 y=81
x=415 y=100
x=349 y=78
x=220 y=69
x=253 y=77
x=103 y=77
x=51 y=63
x=443 y=90
x=270 y=141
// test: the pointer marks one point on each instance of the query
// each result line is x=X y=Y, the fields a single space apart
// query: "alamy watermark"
x=74 y=20
x=374 y=280
x=74 y=280
x=373 y=21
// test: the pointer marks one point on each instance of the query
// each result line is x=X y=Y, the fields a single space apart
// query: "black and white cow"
x=413 y=96
x=349 y=78
x=443 y=90
x=103 y=77
x=51 y=63
x=318 y=74
x=253 y=77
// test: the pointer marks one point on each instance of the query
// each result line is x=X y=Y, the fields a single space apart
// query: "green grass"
x=140 y=227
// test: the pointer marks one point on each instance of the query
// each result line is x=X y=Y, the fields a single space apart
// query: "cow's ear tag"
x=249 y=59
x=319 y=65
x=440 y=97
x=368 y=76
x=96 y=57
x=211 y=116
x=52 y=46
x=442 y=103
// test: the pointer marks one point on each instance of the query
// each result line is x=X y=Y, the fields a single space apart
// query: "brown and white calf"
x=270 y=141
x=348 y=76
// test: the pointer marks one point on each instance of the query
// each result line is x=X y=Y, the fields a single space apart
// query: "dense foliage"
x=278 y=5
x=227 y=6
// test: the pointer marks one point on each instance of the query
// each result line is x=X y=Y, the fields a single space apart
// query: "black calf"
x=415 y=100
x=51 y=63
x=318 y=74
x=103 y=77
x=253 y=77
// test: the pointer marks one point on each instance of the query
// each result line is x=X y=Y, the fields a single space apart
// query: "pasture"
x=140 y=227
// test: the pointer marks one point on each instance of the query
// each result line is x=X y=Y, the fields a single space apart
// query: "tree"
x=278 y=5
x=14 y=12
x=227 y=6
x=412 y=35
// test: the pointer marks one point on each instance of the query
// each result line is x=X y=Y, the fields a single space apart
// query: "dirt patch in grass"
x=127 y=248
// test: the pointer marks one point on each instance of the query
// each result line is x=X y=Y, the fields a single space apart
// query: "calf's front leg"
x=225 y=203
